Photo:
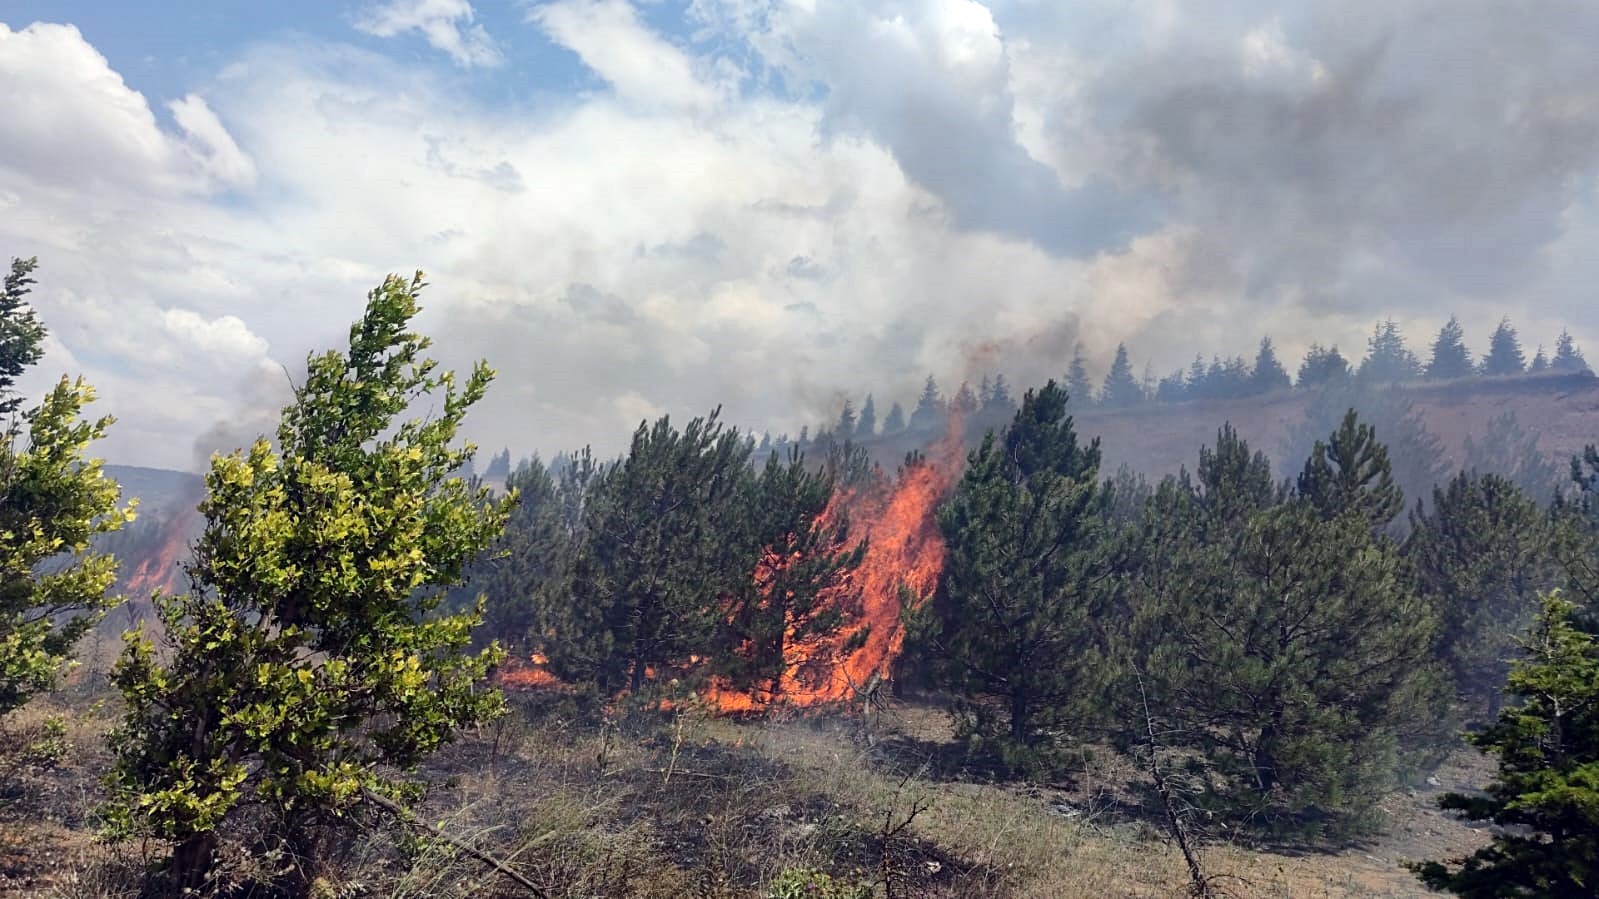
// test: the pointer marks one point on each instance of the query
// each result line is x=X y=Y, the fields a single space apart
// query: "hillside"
x=1158 y=438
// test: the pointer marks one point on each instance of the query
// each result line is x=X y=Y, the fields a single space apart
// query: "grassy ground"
x=696 y=806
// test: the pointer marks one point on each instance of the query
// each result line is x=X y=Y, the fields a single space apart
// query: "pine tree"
x=803 y=555
x=1282 y=647
x=21 y=333
x=1567 y=357
x=1268 y=374
x=1540 y=362
x=1416 y=456
x=1322 y=367
x=54 y=501
x=526 y=581
x=1348 y=473
x=499 y=469
x=309 y=666
x=1013 y=631
x=1171 y=388
x=1544 y=799
x=666 y=531
x=1121 y=388
x=1504 y=352
x=1387 y=359
x=1482 y=556
x=1450 y=358
x=1078 y=389
x=895 y=422
x=999 y=398
x=1194 y=387
x=1511 y=451
x=964 y=402
x=867 y=425
x=928 y=416
x=846 y=420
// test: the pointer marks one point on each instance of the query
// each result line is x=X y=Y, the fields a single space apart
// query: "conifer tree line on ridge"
x=1304 y=640
x=1388 y=360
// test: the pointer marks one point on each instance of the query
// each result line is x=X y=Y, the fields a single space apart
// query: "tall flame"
x=903 y=560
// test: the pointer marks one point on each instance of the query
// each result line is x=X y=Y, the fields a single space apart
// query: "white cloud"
x=638 y=63
x=880 y=198
x=445 y=24
x=210 y=143
x=227 y=340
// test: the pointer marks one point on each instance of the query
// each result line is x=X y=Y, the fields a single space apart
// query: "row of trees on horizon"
x=1388 y=360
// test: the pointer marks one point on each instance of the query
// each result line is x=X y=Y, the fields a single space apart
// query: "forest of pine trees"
x=1306 y=640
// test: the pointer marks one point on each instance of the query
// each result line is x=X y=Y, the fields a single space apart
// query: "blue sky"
x=641 y=207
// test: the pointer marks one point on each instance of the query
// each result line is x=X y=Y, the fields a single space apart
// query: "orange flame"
x=162 y=569
x=904 y=558
x=529 y=674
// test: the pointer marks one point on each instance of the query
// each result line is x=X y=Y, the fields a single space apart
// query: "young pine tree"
x=1387 y=359
x=1283 y=647
x=1268 y=374
x=1481 y=556
x=53 y=501
x=1349 y=472
x=1121 y=388
x=1504 y=352
x=1544 y=799
x=803 y=555
x=866 y=426
x=1567 y=357
x=1079 y=391
x=894 y=422
x=1450 y=358
x=667 y=531
x=309 y=665
x=1322 y=366
x=1014 y=628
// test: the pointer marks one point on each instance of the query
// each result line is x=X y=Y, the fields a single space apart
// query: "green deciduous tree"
x=1015 y=630
x=54 y=500
x=1545 y=795
x=310 y=664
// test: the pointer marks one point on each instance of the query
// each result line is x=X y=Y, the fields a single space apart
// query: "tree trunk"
x=1020 y=715
x=191 y=862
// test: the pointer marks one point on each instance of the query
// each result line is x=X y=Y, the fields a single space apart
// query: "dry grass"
x=689 y=805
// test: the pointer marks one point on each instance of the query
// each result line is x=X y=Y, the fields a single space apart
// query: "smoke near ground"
x=774 y=206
